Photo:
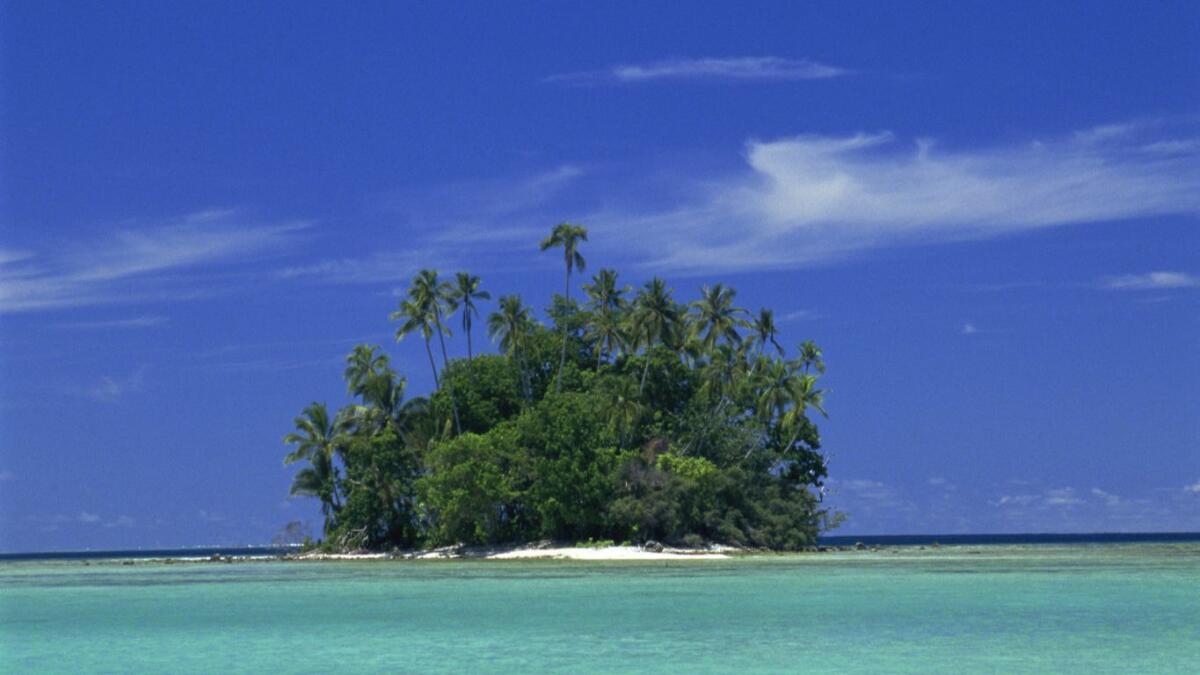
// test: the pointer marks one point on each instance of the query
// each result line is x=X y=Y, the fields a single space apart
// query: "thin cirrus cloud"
x=810 y=199
x=140 y=262
x=805 y=200
x=710 y=69
x=117 y=324
x=1151 y=281
x=111 y=389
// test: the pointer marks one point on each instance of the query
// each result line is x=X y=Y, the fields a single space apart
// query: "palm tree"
x=811 y=357
x=364 y=365
x=655 y=320
x=722 y=374
x=774 y=382
x=511 y=325
x=466 y=292
x=416 y=317
x=603 y=292
x=428 y=291
x=434 y=296
x=568 y=237
x=318 y=439
x=802 y=395
x=716 y=318
x=607 y=329
x=316 y=481
x=765 y=331
x=621 y=410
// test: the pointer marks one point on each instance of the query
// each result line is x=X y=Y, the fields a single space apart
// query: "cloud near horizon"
x=708 y=69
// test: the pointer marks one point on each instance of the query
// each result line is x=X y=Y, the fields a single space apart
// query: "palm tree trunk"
x=432 y=364
x=470 y=354
x=446 y=365
x=562 y=359
x=645 y=369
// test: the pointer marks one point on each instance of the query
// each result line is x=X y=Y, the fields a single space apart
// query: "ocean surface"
x=1126 y=607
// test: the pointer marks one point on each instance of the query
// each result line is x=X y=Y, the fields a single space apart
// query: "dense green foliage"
x=630 y=417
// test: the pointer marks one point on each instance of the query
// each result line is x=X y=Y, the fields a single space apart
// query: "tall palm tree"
x=511 y=326
x=765 y=331
x=429 y=291
x=811 y=357
x=466 y=292
x=435 y=296
x=567 y=236
x=318 y=439
x=417 y=317
x=716 y=318
x=655 y=319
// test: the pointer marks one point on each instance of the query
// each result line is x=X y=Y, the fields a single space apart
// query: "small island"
x=630 y=418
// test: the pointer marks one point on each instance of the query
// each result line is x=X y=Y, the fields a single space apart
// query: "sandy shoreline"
x=535 y=553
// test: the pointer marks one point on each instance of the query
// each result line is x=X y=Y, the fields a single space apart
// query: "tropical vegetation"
x=629 y=416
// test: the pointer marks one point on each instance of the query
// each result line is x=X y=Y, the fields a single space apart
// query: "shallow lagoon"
x=1040 y=608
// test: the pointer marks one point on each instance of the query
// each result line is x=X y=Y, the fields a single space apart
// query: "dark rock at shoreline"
x=653 y=546
x=859 y=546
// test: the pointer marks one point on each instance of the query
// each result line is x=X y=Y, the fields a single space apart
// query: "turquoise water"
x=1081 y=608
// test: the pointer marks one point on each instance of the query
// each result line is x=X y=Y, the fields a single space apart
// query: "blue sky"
x=986 y=215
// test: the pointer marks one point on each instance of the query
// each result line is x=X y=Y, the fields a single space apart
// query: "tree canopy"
x=629 y=417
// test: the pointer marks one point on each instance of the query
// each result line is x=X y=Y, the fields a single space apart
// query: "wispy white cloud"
x=373 y=267
x=968 y=329
x=795 y=202
x=121 y=521
x=210 y=516
x=9 y=256
x=1151 y=281
x=798 y=315
x=1062 y=497
x=938 y=505
x=89 y=518
x=811 y=199
x=717 y=69
x=134 y=322
x=112 y=389
x=134 y=262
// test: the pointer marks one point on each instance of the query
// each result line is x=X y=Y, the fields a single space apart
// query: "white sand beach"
x=535 y=553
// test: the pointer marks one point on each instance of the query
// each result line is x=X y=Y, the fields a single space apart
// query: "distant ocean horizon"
x=1060 y=603
x=1058 y=538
